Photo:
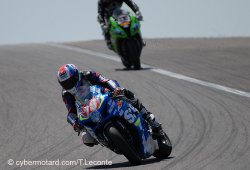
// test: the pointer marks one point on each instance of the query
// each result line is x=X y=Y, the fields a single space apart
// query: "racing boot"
x=157 y=131
x=109 y=44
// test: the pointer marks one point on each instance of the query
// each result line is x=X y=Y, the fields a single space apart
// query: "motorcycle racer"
x=105 y=10
x=76 y=87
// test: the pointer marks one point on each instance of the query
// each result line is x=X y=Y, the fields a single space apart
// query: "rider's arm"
x=101 y=11
x=69 y=101
x=98 y=79
x=132 y=5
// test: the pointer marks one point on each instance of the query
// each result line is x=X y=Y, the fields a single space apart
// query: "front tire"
x=123 y=146
x=134 y=52
x=130 y=51
x=126 y=64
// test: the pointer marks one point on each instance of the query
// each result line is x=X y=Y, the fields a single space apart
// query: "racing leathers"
x=88 y=78
x=105 y=10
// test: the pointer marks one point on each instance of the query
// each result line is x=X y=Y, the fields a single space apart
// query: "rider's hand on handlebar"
x=118 y=91
x=139 y=16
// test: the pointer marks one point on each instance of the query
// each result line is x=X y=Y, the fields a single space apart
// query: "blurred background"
x=26 y=21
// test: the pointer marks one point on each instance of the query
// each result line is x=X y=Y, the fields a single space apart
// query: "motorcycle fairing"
x=109 y=109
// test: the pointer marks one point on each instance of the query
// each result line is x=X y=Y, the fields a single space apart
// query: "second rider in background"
x=105 y=10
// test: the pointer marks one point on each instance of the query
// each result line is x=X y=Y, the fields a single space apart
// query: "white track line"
x=156 y=70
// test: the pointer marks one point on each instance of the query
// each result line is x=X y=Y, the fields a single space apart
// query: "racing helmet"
x=68 y=77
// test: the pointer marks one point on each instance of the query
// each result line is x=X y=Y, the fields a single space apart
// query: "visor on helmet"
x=71 y=82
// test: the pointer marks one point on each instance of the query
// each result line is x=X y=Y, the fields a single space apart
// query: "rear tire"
x=123 y=146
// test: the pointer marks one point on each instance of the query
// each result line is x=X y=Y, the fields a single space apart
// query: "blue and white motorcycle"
x=117 y=125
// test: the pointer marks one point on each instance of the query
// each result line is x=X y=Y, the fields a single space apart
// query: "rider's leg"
x=108 y=40
x=148 y=116
x=105 y=31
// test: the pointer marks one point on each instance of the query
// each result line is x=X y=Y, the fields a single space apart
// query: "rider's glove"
x=118 y=91
x=139 y=16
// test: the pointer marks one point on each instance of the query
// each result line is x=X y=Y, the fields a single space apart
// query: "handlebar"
x=114 y=96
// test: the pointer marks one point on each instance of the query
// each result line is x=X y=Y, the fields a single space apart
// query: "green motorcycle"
x=126 y=37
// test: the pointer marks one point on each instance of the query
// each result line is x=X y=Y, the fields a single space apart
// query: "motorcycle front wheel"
x=123 y=146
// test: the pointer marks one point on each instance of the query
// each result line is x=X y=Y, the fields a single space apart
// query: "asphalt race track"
x=209 y=127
